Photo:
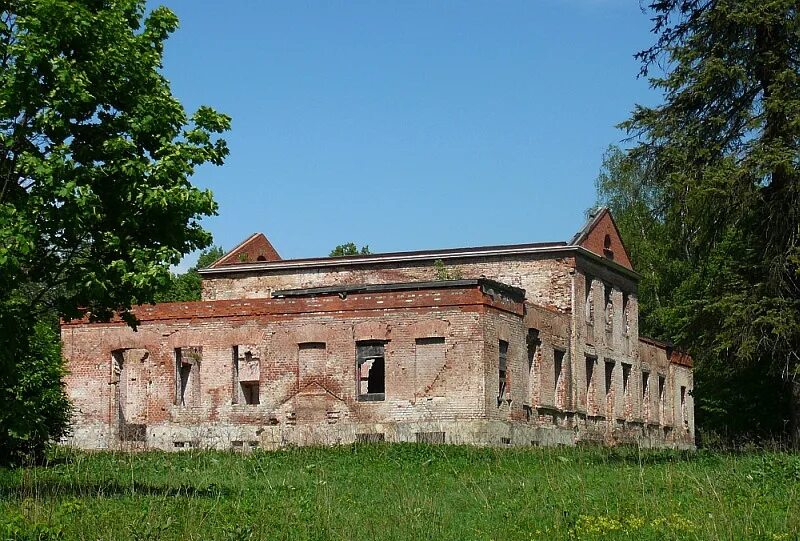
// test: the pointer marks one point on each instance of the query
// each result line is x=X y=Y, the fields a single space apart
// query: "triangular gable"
x=601 y=236
x=254 y=249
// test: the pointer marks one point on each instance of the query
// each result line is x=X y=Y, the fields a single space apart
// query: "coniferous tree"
x=723 y=154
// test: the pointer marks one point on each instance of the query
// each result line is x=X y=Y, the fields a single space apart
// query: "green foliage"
x=349 y=249
x=34 y=408
x=443 y=272
x=734 y=398
x=95 y=160
x=721 y=160
x=407 y=491
x=187 y=286
x=96 y=156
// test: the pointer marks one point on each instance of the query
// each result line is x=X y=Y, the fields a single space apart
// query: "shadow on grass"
x=50 y=488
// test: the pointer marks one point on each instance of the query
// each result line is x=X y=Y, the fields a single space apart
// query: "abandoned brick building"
x=531 y=344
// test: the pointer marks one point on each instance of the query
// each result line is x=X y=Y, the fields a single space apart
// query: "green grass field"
x=408 y=491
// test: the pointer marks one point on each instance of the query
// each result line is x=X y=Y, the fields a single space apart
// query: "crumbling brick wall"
x=322 y=392
x=546 y=280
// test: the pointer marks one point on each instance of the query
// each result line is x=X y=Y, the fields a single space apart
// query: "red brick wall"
x=426 y=387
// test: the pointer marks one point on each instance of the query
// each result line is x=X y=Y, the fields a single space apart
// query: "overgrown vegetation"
x=442 y=272
x=349 y=248
x=406 y=491
x=33 y=405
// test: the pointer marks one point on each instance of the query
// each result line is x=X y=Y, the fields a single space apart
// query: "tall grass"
x=405 y=491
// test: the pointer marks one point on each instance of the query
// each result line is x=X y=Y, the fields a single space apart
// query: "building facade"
x=533 y=344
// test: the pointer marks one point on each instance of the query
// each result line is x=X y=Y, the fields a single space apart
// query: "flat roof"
x=400 y=286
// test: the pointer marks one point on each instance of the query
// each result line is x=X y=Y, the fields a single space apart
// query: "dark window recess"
x=684 y=417
x=589 y=304
x=371 y=370
x=607 y=249
x=502 y=368
x=559 y=387
x=609 y=376
x=250 y=392
x=430 y=437
x=505 y=441
x=626 y=376
x=645 y=383
x=370 y=437
x=558 y=367
x=533 y=342
x=187 y=375
x=662 y=384
x=589 y=371
x=132 y=432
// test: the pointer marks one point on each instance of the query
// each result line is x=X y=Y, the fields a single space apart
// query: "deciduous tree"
x=95 y=160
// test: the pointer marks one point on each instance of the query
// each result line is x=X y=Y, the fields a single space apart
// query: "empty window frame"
x=589 y=301
x=609 y=377
x=608 y=303
x=246 y=375
x=684 y=416
x=533 y=342
x=591 y=362
x=607 y=248
x=645 y=394
x=610 y=394
x=502 y=371
x=371 y=370
x=662 y=389
x=559 y=387
x=626 y=378
x=626 y=321
x=187 y=375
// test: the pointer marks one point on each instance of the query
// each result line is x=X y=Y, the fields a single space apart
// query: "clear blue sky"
x=407 y=125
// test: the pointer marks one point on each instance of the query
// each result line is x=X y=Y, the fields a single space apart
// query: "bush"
x=34 y=409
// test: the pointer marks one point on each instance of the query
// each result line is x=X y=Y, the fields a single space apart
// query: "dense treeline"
x=708 y=196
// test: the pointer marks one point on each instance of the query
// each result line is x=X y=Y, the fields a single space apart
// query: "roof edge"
x=345 y=289
x=392 y=257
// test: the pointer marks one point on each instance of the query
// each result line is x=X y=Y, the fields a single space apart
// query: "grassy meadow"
x=405 y=491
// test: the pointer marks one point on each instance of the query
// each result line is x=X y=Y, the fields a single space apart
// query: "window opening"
x=187 y=375
x=558 y=377
x=589 y=301
x=609 y=376
x=371 y=370
x=609 y=305
x=502 y=370
x=607 y=251
x=246 y=375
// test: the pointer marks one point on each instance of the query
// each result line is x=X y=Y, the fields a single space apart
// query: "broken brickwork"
x=537 y=345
